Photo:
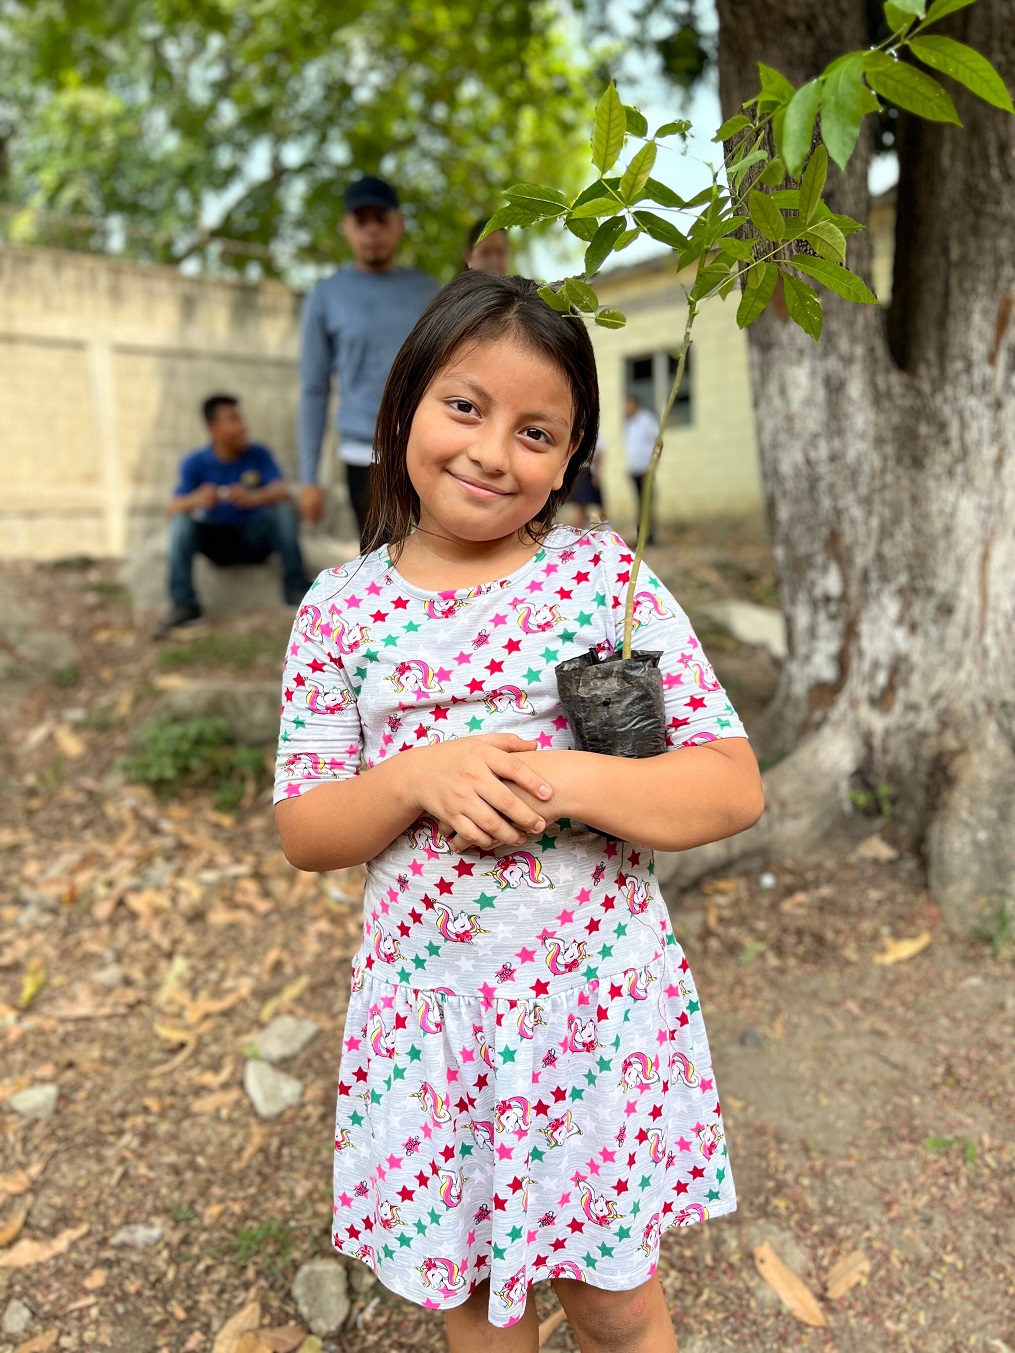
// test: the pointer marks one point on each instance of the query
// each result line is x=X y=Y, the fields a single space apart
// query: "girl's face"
x=490 y=440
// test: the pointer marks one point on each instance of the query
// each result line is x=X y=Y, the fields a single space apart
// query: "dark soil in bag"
x=615 y=706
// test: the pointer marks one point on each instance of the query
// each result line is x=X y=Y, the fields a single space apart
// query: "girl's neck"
x=440 y=563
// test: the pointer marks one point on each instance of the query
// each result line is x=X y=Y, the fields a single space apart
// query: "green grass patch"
x=998 y=930
x=237 y=652
x=175 y=754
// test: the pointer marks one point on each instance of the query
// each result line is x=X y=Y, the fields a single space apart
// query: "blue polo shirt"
x=254 y=467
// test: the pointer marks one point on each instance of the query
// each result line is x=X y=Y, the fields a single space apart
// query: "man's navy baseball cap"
x=371 y=192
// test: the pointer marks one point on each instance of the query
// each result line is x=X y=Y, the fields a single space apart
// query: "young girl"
x=525 y=1091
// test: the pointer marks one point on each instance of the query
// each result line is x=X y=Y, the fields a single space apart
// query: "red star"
x=540 y=988
x=615 y=990
x=499 y=1203
x=400 y=603
x=317 y=666
x=620 y=1187
x=465 y=867
x=423 y=1180
x=656 y=1112
x=563 y=593
x=448 y=1152
x=360 y=1073
x=602 y=1012
x=379 y=616
x=696 y=702
x=400 y=1021
x=406 y=1194
x=642 y=1136
x=494 y=666
x=512 y=645
x=439 y=712
x=481 y=1081
x=444 y=887
x=516 y=1185
x=559 y=1093
x=541 y=1108
x=300 y=679
x=574 y=1225
x=560 y=1243
x=475 y=685
x=592 y=924
x=581 y=577
x=682 y=1187
x=697 y=1172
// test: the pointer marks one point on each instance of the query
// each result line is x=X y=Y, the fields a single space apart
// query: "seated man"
x=231 y=505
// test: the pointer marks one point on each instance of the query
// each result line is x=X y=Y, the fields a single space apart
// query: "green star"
x=600 y=599
x=606 y=951
x=653 y=581
x=550 y=654
x=398 y=1073
x=390 y=641
x=720 y=1175
x=299 y=722
x=693 y=1007
x=411 y=627
x=421 y=1227
x=361 y=673
x=466 y=1149
x=712 y=1196
x=415 y=1053
x=567 y=636
x=591 y=973
x=387 y=1084
x=433 y=948
x=405 y=1242
x=388 y=1252
x=604 y=1063
x=590 y=1076
x=284 y=737
x=515 y=1233
x=584 y=618
x=499 y=1251
x=627 y=1016
x=605 y=1250
x=508 y=1054
x=418 y=962
x=635 y=1209
x=589 y=1260
x=564 y=823
x=531 y=676
x=484 y=900
x=539 y=556
x=576 y=1093
x=475 y=724
x=623 y=1232
x=355 y=1118
x=547 y=842
x=434 y=1216
x=403 y=976
x=646 y=1181
x=536 y=1155
x=616 y=1043
x=374 y=1097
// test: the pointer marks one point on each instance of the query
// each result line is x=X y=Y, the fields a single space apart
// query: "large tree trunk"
x=887 y=459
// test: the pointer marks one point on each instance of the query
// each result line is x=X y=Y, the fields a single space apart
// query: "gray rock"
x=38 y=1101
x=284 y=1038
x=17 y=1317
x=138 y=1236
x=30 y=649
x=271 y=1091
x=250 y=708
x=320 y=1290
x=361 y=1279
x=225 y=591
x=110 y=976
x=750 y=1038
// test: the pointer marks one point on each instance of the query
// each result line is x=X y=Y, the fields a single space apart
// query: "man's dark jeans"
x=265 y=531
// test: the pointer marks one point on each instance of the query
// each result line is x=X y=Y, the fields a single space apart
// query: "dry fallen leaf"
x=229 y=1336
x=849 y=1271
x=311 y=1344
x=68 y=741
x=16 y=1183
x=257 y=1138
x=11 y=1228
x=283 y=1338
x=897 y=951
x=96 y=1279
x=218 y=1099
x=794 y=1293
x=877 y=849
x=251 y=1343
x=717 y=887
x=285 y=997
x=28 y=1252
x=41 y=1343
x=32 y=982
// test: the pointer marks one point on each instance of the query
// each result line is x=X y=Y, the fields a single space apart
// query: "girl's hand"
x=461 y=784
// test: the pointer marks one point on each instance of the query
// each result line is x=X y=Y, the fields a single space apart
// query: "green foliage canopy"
x=178 y=121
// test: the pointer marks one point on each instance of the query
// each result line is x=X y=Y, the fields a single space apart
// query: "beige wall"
x=103 y=366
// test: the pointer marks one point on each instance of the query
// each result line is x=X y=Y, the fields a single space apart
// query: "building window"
x=648 y=379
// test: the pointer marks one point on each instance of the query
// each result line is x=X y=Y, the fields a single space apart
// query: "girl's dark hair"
x=474 y=308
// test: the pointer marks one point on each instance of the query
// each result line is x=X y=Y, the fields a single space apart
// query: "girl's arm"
x=461 y=783
x=673 y=801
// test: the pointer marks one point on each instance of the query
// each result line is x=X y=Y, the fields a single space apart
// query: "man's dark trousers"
x=263 y=532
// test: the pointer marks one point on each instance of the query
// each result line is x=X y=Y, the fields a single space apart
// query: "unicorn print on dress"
x=703 y=675
x=416 y=676
x=429 y=1010
x=507 y=700
x=514 y=1289
x=582 y=1035
x=694 y=1212
x=637 y=895
x=513 y=1114
x=533 y=619
x=328 y=701
x=386 y=946
x=596 y=1206
x=452 y=1186
x=309 y=764
x=567 y=1269
x=557 y=1130
x=564 y=956
x=457 y=926
x=387 y=1214
x=530 y=1017
x=346 y=638
x=358 y=971
x=647 y=606
x=636 y=983
x=656 y=1145
x=638 y=1072
x=709 y=1139
x=651 y=1234
x=482 y=1131
x=381 y=1040
x=441 y=1275
x=447 y=605
x=433 y=1104
x=683 y=1069
x=424 y=834
x=342 y=1139
x=512 y=871
x=485 y=1051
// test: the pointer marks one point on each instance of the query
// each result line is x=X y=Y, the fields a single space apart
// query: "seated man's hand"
x=205 y=497
x=311 y=503
x=239 y=495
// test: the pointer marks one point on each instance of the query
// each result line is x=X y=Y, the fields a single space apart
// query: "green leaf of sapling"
x=941 y=8
x=662 y=196
x=827 y=240
x=812 y=185
x=635 y=121
x=636 y=175
x=898 y=20
x=731 y=126
x=760 y=288
x=909 y=88
x=535 y=195
x=967 y=66
x=679 y=128
x=608 y=130
x=514 y=214
x=611 y=318
x=798 y=126
x=802 y=305
x=556 y=299
x=661 y=230
x=625 y=238
x=842 y=108
x=581 y=295
x=602 y=244
x=836 y=278
x=766 y=216
x=773 y=174
x=775 y=88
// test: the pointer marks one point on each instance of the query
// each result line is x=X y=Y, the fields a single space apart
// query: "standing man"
x=232 y=505
x=354 y=322
x=640 y=431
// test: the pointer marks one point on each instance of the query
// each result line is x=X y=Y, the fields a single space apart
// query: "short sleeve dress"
x=525 y=1089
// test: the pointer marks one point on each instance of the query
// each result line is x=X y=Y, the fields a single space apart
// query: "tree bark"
x=887 y=460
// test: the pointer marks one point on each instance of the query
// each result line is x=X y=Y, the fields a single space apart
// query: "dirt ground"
x=144 y=940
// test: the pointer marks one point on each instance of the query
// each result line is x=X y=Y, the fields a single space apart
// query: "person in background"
x=492 y=255
x=232 y=505
x=354 y=322
x=640 y=431
x=586 y=497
